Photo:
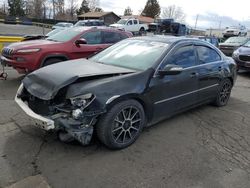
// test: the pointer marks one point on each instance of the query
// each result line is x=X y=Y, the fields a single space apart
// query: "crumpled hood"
x=44 y=83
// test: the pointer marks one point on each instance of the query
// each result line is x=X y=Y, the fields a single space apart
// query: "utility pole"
x=219 y=29
x=196 y=20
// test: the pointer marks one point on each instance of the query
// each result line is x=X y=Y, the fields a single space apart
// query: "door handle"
x=194 y=74
x=220 y=68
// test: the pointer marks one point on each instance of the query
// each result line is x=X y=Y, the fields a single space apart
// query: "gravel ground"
x=205 y=147
x=8 y=29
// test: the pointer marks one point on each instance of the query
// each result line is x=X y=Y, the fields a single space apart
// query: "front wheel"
x=142 y=31
x=223 y=93
x=51 y=61
x=121 y=125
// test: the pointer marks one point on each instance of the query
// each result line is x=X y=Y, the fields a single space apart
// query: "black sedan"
x=242 y=57
x=130 y=85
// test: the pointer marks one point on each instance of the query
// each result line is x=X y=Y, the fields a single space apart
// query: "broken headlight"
x=82 y=101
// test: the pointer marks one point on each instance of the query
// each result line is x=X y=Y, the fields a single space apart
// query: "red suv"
x=73 y=43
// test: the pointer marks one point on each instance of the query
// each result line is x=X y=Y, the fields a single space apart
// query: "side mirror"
x=80 y=41
x=170 y=69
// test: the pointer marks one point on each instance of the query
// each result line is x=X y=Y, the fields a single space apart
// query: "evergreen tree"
x=16 y=7
x=152 y=9
x=84 y=7
x=128 y=11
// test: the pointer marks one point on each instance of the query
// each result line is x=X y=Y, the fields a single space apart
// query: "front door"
x=94 y=44
x=173 y=93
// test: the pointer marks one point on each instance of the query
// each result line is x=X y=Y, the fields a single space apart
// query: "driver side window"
x=93 y=37
x=184 y=57
x=130 y=22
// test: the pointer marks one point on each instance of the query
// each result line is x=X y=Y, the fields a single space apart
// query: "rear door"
x=209 y=70
x=111 y=37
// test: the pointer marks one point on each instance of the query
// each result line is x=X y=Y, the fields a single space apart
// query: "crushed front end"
x=75 y=116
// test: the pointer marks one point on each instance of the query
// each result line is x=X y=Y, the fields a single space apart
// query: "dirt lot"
x=205 y=147
x=21 y=30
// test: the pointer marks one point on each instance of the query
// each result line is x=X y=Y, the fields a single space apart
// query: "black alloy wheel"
x=224 y=93
x=126 y=125
x=121 y=125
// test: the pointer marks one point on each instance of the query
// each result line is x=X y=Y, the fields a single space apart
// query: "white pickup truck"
x=133 y=25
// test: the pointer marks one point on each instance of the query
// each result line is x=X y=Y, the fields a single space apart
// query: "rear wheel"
x=224 y=93
x=51 y=61
x=121 y=125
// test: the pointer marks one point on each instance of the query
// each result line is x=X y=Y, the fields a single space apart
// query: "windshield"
x=247 y=44
x=122 y=21
x=240 y=40
x=133 y=54
x=232 y=27
x=80 y=23
x=61 y=24
x=64 y=35
x=158 y=20
x=53 y=32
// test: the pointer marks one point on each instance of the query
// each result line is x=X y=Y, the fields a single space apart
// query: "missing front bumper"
x=39 y=121
x=81 y=131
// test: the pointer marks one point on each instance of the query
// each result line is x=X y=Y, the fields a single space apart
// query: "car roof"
x=90 y=20
x=85 y=28
x=167 y=39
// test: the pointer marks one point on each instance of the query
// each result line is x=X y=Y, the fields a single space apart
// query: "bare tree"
x=93 y=4
x=72 y=8
x=174 y=12
x=3 y=8
x=37 y=8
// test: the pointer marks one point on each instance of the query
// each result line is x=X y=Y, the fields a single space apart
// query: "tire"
x=121 y=125
x=142 y=31
x=223 y=93
x=51 y=61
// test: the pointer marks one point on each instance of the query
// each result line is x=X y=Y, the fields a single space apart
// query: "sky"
x=210 y=13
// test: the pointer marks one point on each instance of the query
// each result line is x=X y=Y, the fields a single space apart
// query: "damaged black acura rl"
x=130 y=85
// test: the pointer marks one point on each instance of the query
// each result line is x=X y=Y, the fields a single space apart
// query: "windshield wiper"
x=52 y=40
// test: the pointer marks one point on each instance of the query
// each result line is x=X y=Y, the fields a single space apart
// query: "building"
x=107 y=17
x=143 y=19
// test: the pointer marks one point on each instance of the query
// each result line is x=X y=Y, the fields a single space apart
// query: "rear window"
x=207 y=55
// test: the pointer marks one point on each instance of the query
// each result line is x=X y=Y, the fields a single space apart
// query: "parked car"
x=168 y=26
x=62 y=25
x=133 y=25
x=232 y=44
x=68 y=44
x=235 y=31
x=126 y=87
x=54 y=31
x=211 y=39
x=242 y=56
x=36 y=37
x=89 y=23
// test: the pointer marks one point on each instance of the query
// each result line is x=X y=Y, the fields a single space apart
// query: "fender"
x=54 y=56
